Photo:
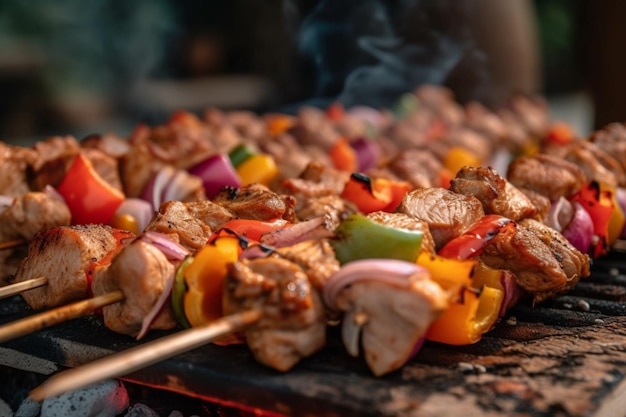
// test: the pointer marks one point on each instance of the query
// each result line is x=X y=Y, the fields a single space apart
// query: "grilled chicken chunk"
x=315 y=257
x=27 y=215
x=543 y=263
x=419 y=167
x=66 y=255
x=497 y=195
x=547 y=175
x=293 y=323
x=448 y=214
x=140 y=271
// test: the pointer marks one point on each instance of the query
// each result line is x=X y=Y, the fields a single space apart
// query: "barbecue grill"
x=564 y=357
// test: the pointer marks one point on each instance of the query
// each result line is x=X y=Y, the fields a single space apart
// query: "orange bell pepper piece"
x=278 y=123
x=344 y=157
x=335 y=112
x=259 y=169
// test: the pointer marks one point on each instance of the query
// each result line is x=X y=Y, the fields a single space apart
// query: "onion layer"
x=579 y=231
x=171 y=249
x=216 y=172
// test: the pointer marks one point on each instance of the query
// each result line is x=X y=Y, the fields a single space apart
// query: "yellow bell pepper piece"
x=204 y=277
x=458 y=157
x=450 y=274
x=257 y=169
x=466 y=320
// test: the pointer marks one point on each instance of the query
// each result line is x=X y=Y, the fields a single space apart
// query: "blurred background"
x=79 y=67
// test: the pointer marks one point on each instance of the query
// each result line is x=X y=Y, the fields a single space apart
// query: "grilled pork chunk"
x=293 y=323
x=543 y=262
x=189 y=224
x=447 y=213
x=547 y=175
x=27 y=215
x=256 y=202
x=612 y=138
x=14 y=164
x=66 y=255
x=315 y=257
x=596 y=163
x=497 y=195
x=140 y=271
x=419 y=167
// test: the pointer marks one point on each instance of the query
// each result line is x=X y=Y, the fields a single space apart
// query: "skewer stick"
x=138 y=357
x=11 y=244
x=57 y=315
x=22 y=286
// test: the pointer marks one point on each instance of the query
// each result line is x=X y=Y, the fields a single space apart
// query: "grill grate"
x=565 y=357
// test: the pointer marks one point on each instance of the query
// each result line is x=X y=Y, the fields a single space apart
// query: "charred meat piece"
x=596 y=163
x=332 y=179
x=109 y=143
x=497 y=195
x=140 y=271
x=293 y=323
x=539 y=269
x=66 y=255
x=178 y=221
x=54 y=156
x=333 y=208
x=14 y=164
x=404 y=221
x=447 y=213
x=419 y=167
x=27 y=215
x=547 y=175
x=612 y=139
x=256 y=202
x=315 y=257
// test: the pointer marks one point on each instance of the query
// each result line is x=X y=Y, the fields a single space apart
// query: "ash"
x=111 y=398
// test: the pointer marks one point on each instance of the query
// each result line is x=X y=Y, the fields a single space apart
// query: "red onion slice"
x=139 y=209
x=579 y=232
x=560 y=214
x=621 y=200
x=216 y=172
x=171 y=249
x=156 y=309
x=390 y=271
x=296 y=233
x=368 y=153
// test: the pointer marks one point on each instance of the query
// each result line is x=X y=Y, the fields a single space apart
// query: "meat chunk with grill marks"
x=547 y=175
x=541 y=269
x=404 y=221
x=256 y=202
x=14 y=164
x=293 y=322
x=419 y=167
x=140 y=271
x=27 y=215
x=189 y=224
x=497 y=195
x=596 y=163
x=448 y=214
x=612 y=139
x=65 y=256
x=315 y=257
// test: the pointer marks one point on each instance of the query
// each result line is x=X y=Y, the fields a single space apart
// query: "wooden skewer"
x=12 y=243
x=57 y=315
x=22 y=286
x=138 y=357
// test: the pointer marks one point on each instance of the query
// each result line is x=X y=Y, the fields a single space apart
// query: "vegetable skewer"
x=144 y=355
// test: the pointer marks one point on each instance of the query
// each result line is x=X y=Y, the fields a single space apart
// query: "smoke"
x=370 y=52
